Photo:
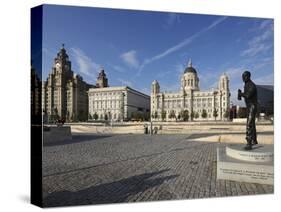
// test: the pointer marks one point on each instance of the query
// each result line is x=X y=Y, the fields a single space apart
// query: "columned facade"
x=190 y=103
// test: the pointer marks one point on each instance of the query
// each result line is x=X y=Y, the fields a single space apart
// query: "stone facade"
x=35 y=96
x=64 y=93
x=102 y=81
x=117 y=103
x=190 y=103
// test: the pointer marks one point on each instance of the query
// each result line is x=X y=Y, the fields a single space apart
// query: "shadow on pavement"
x=78 y=138
x=114 y=192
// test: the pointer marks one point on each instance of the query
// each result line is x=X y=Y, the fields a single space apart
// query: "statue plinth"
x=254 y=166
x=259 y=153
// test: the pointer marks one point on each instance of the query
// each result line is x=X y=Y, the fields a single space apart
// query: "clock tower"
x=102 y=81
x=65 y=92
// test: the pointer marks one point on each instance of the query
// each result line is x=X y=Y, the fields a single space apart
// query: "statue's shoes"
x=248 y=147
x=254 y=142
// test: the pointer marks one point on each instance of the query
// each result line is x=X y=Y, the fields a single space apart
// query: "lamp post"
x=151 y=132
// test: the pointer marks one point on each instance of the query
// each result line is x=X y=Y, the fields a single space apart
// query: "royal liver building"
x=190 y=103
x=64 y=93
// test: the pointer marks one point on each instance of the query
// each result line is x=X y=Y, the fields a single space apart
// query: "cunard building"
x=189 y=103
x=64 y=93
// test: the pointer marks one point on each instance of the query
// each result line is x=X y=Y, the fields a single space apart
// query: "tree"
x=172 y=114
x=185 y=115
x=192 y=115
x=226 y=114
x=204 y=114
x=95 y=116
x=133 y=116
x=139 y=116
x=196 y=115
x=146 y=116
x=106 y=117
x=215 y=113
x=81 y=115
x=242 y=113
x=163 y=115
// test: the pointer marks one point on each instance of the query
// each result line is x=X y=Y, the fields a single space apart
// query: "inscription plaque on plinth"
x=256 y=170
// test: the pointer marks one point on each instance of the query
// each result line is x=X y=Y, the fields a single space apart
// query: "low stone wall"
x=239 y=120
x=225 y=133
x=53 y=134
x=107 y=129
x=219 y=128
x=168 y=128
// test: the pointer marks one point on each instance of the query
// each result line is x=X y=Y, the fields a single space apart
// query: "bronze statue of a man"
x=250 y=97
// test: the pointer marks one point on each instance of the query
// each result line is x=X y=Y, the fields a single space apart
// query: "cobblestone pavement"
x=95 y=169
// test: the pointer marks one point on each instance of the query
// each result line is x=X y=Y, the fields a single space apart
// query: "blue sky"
x=136 y=47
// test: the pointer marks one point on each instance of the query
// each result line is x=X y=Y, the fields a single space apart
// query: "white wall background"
x=14 y=105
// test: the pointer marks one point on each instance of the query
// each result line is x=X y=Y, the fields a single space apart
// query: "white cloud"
x=266 y=24
x=265 y=80
x=125 y=82
x=130 y=58
x=260 y=38
x=86 y=65
x=163 y=74
x=263 y=63
x=253 y=50
x=145 y=91
x=260 y=43
x=180 y=45
x=235 y=73
x=47 y=52
x=119 y=68
x=179 y=69
x=170 y=88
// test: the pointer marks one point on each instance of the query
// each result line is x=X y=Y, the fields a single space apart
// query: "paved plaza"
x=95 y=169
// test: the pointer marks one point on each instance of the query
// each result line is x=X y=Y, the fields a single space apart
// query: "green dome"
x=190 y=70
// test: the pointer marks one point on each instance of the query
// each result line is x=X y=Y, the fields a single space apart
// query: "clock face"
x=57 y=65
